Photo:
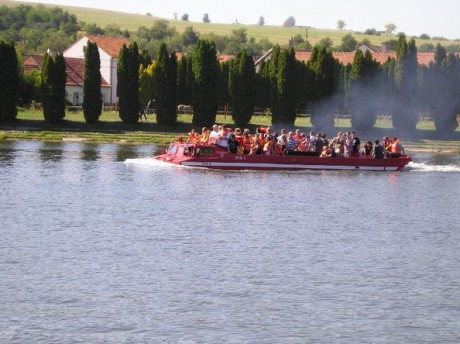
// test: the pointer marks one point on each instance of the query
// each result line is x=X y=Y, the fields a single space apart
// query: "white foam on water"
x=424 y=167
x=151 y=162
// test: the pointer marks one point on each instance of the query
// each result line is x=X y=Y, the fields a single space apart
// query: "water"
x=99 y=244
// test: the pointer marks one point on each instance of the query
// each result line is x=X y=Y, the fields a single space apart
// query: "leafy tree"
x=53 y=88
x=206 y=18
x=241 y=84
x=165 y=87
x=128 y=83
x=223 y=96
x=326 y=43
x=286 y=88
x=189 y=36
x=205 y=71
x=289 y=22
x=349 y=43
x=371 y=32
x=406 y=78
x=92 y=95
x=9 y=77
x=146 y=83
x=184 y=17
x=425 y=36
x=341 y=24
x=390 y=28
x=261 y=21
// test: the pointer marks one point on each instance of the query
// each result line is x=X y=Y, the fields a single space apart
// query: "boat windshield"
x=172 y=149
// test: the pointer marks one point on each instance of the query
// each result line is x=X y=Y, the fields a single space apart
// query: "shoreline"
x=163 y=139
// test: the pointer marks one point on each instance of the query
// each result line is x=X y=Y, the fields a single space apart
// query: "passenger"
x=268 y=147
x=337 y=146
x=233 y=144
x=319 y=144
x=247 y=141
x=213 y=136
x=378 y=152
x=387 y=146
x=191 y=136
x=347 y=145
x=223 y=136
x=356 y=144
x=396 y=149
x=327 y=151
x=205 y=134
x=297 y=134
x=255 y=147
x=291 y=145
x=367 y=149
x=279 y=146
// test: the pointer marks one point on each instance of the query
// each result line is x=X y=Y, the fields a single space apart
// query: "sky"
x=413 y=17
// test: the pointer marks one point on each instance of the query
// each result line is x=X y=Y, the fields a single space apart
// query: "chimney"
x=385 y=47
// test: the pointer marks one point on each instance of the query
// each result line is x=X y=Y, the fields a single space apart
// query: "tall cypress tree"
x=205 y=69
x=53 y=88
x=286 y=86
x=405 y=117
x=182 y=81
x=92 y=95
x=165 y=85
x=9 y=78
x=242 y=83
x=128 y=84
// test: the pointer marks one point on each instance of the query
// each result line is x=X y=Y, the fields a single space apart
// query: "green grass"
x=276 y=34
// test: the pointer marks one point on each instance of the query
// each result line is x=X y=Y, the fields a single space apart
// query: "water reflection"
x=125 y=152
x=89 y=152
x=51 y=151
x=7 y=153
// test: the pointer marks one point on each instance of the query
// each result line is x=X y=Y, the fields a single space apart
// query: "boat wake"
x=151 y=163
x=424 y=167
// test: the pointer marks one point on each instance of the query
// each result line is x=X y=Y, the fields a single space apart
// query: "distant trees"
x=206 y=18
x=349 y=43
x=242 y=88
x=261 y=21
x=390 y=28
x=205 y=71
x=341 y=24
x=289 y=22
x=184 y=17
x=92 y=95
x=52 y=87
x=165 y=86
x=128 y=83
x=9 y=77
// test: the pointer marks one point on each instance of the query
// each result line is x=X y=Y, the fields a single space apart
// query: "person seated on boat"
x=291 y=145
x=327 y=151
x=205 y=135
x=313 y=139
x=191 y=136
x=305 y=144
x=319 y=144
x=223 y=136
x=247 y=141
x=387 y=146
x=367 y=149
x=256 y=145
x=356 y=144
x=239 y=137
x=268 y=147
x=233 y=144
x=396 y=149
x=297 y=134
x=279 y=146
x=347 y=145
x=214 y=134
x=378 y=152
x=337 y=147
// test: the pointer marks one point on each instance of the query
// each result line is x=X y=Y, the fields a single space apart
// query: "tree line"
x=322 y=86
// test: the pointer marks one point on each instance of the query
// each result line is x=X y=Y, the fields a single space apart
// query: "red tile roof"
x=110 y=45
x=74 y=67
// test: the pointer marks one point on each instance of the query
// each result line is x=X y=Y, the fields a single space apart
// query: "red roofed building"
x=109 y=49
x=75 y=70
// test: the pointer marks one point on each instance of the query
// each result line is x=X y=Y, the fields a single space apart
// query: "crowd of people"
x=267 y=142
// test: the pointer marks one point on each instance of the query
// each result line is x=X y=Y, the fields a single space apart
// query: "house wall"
x=74 y=94
x=108 y=66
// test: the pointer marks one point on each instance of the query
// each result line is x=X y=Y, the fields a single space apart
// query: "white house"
x=109 y=49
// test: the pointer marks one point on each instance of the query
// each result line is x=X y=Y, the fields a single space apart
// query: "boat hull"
x=224 y=160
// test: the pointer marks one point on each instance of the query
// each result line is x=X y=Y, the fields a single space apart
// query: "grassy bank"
x=31 y=126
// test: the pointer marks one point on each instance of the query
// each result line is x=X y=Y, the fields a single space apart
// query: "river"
x=100 y=245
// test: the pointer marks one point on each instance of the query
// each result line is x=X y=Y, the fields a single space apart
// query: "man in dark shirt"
x=378 y=151
x=356 y=143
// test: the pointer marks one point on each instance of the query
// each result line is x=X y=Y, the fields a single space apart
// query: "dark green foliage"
x=223 y=96
x=349 y=43
x=165 y=86
x=92 y=95
x=286 y=88
x=53 y=88
x=263 y=86
x=182 y=81
x=363 y=90
x=325 y=79
x=241 y=84
x=145 y=59
x=272 y=74
x=406 y=77
x=205 y=71
x=128 y=84
x=9 y=79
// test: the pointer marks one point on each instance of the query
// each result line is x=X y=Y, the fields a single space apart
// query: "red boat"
x=215 y=157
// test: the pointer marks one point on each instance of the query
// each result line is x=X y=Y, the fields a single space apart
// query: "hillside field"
x=276 y=34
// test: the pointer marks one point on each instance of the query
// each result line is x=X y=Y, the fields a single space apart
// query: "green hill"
x=276 y=34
